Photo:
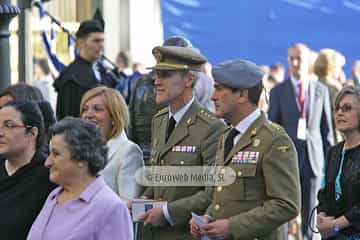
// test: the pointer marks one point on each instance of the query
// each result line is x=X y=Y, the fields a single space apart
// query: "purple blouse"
x=97 y=214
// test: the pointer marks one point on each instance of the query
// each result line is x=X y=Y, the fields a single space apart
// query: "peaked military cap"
x=177 y=58
x=178 y=41
x=87 y=27
x=237 y=74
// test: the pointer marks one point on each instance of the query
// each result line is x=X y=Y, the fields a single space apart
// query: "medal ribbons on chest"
x=244 y=157
x=186 y=149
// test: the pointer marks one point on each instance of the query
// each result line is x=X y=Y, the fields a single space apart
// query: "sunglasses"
x=168 y=73
x=344 y=108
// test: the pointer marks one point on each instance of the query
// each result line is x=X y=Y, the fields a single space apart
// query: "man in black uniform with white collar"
x=81 y=74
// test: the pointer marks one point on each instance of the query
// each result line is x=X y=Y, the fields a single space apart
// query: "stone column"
x=7 y=12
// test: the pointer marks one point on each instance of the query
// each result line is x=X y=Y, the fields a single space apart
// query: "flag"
x=55 y=65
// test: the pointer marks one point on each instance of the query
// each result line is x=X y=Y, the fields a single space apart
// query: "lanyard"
x=338 y=190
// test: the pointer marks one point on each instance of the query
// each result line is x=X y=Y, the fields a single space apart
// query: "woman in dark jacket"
x=339 y=198
x=24 y=180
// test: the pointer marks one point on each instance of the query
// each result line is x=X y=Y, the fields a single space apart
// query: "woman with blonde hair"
x=107 y=109
x=328 y=67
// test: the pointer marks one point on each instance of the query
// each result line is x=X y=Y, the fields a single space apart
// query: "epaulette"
x=206 y=115
x=162 y=112
x=274 y=128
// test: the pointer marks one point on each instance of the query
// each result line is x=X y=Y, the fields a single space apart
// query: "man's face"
x=170 y=86
x=298 y=59
x=225 y=100
x=91 y=46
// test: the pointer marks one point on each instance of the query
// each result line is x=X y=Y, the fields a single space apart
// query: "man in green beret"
x=266 y=191
x=183 y=134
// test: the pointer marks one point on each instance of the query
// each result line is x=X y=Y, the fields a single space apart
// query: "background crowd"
x=81 y=137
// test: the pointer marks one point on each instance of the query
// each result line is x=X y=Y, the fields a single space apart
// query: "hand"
x=220 y=229
x=325 y=224
x=319 y=218
x=154 y=216
x=195 y=229
x=323 y=214
x=293 y=227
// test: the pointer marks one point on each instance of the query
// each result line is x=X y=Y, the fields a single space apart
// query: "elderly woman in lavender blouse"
x=83 y=206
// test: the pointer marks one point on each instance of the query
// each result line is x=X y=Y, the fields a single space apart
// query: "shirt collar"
x=178 y=116
x=92 y=189
x=295 y=83
x=244 y=124
x=84 y=60
x=88 y=193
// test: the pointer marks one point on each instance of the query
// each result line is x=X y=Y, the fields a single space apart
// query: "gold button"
x=239 y=173
x=219 y=188
x=182 y=162
x=217 y=207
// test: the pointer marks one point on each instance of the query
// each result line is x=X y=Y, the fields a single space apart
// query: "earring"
x=80 y=164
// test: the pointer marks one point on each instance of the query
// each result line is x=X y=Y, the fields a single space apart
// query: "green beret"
x=177 y=58
x=237 y=74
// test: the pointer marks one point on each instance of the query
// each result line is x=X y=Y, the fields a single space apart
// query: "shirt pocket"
x=246 y=183
x=184 y=159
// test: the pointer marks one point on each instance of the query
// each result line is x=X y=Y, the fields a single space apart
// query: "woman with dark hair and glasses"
x=20 y=91
x=24 y=181
x=339 y=198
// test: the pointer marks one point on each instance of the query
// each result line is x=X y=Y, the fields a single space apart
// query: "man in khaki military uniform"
x=266 y=192
x=192 y=142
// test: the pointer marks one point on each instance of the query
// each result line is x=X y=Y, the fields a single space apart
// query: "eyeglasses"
x=9 y=125
x=344 y=108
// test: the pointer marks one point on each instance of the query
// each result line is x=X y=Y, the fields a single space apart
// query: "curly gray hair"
x=85 y=141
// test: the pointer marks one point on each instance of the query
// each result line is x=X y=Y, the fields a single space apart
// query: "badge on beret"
x=256 y=142
x=158 y=56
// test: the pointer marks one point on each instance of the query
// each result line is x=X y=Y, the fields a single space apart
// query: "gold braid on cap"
x=174 y=65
